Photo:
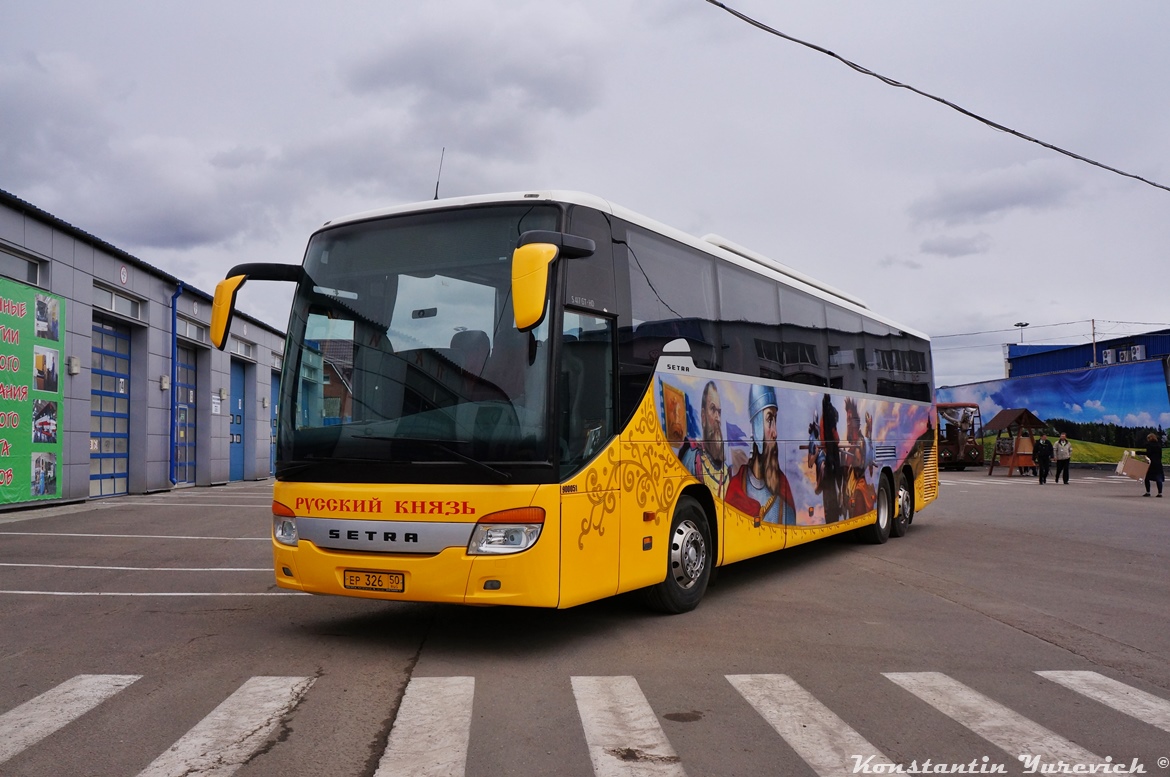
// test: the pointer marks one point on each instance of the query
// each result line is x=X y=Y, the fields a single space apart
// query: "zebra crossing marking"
x=37 y=718
x=822 y=739
x=622 y=731
x=432 y=729
x=1004 y=728
x=1121 y=697
x=220 y=743
x=431 y=732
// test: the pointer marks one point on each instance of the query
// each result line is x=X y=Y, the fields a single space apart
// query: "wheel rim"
x=905 y=503
x=688 y=554
x=883 y=511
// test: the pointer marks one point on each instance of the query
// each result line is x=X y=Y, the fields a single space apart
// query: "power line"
x=898 y=84
x=1013 y=329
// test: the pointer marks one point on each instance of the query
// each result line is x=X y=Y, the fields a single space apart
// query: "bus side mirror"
x=535 y=252
x=223 y=308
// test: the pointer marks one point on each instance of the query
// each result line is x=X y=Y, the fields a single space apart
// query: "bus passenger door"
x=590 y=459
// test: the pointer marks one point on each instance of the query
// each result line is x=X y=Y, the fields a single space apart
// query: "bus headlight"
x=284 y=525
x=510 y=531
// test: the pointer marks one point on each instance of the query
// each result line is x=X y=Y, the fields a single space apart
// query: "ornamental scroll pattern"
x=641 y=465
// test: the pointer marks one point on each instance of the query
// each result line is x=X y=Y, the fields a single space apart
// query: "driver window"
x=586 y=387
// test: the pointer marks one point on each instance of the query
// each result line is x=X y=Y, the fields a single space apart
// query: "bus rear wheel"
x=879 y=531
x=904 y=510
x=689 y=561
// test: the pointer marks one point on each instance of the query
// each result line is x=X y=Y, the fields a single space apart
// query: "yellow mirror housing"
x=223 y=308
x=529 y=283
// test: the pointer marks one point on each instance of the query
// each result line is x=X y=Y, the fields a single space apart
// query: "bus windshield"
x=405 y=354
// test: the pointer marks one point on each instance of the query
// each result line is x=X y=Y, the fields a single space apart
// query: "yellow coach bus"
x=543 y=399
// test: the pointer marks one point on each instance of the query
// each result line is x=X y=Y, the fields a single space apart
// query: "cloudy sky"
x=200 y=135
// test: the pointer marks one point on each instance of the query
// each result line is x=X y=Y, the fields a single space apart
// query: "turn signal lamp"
x=284 y=524
x=509 y=531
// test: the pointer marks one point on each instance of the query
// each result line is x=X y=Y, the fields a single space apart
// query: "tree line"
x=1107 y=434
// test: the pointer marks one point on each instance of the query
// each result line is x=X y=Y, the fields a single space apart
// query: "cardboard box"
x=1132 y=467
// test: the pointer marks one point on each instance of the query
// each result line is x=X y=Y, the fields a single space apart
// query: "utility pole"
x=1094 y=322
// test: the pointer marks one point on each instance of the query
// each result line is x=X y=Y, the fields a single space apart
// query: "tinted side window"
x=899 y=365
x=803 y=356
x=750 y=310
x=672 y=295
x=846 y=349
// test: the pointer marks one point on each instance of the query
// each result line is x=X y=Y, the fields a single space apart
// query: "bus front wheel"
x=689 y=561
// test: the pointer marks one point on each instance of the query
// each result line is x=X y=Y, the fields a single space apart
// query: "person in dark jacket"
x=1154 y=455
x=1042 y=455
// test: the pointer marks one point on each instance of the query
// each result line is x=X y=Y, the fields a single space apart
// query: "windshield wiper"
x=498 y=473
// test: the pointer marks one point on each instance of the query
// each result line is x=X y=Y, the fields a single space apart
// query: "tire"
x=879 y=531
x=689 y=561
x=904 y=508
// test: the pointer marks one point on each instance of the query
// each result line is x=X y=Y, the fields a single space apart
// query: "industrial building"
x=108 y=382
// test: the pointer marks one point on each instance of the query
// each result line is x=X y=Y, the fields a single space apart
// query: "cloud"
x=895 y=261
x=1139 y=419
x=1036 y=186
x=374 y=133
x=957 y=245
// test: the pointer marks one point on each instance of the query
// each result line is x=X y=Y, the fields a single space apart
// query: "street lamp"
x=1021 y=325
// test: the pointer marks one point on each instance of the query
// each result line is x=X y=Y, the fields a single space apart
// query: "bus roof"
x=711 y=244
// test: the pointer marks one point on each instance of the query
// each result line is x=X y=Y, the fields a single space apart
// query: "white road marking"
x=140 y=569
x=1121 y=697
x=622 y=731
x=816 y=733
x=155 y=593
x=220 y=743
x=38 y=718
x=260 y=502
x=1004 y=728
x=432 y=729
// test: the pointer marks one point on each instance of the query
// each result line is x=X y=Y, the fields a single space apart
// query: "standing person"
x=1062 y=452
x=1154 y=454
x=1042 y=455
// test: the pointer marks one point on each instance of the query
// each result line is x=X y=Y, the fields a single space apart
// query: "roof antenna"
x=437 y=177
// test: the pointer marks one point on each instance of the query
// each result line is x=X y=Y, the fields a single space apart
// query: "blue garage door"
x=185 y=383
x=109 y=410
x=236 y=427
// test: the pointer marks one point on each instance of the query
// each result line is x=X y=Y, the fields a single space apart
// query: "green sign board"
x=32 y=340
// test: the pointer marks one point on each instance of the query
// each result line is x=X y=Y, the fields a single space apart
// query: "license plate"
x=365 y=580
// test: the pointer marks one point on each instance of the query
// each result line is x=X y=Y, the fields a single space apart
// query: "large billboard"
x=1115 y=405
x=32 y=340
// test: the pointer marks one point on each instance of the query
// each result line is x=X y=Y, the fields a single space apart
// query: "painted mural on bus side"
x=786 y=456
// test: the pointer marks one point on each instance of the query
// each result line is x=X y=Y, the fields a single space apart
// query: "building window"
x=243 y=348
x=192 y=330
x=20 y=269
x=119 y=303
